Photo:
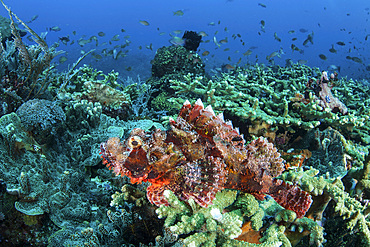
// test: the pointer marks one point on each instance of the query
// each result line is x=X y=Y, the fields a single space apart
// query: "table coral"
x=280 y=98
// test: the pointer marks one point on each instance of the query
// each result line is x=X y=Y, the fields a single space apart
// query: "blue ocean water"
x=328 y=22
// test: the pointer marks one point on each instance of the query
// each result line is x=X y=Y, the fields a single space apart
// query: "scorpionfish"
x=198 y=156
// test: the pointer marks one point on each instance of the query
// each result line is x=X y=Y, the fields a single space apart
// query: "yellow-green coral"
x=216 y=224
x=350 y=209
x=249 y=207
x=262 y=94
x=220 y=223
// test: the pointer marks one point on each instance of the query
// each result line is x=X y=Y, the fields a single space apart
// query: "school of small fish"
x=223 y=39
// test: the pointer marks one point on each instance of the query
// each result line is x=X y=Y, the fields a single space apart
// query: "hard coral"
x=41 y=117
x=176 y=59
x=200 y=155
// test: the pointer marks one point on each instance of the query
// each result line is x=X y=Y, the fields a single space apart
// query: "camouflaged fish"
x=198 y=156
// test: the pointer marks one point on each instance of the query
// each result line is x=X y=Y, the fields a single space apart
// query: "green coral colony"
x=55 y=191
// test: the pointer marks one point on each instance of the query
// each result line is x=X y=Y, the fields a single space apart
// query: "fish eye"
x=134 y=142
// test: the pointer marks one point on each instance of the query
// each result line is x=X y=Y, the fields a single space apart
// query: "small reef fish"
x=247 y=53
x=64 y=39
x=272 y=55
x=178 y=13
x=341 y=43
x=55 y=29
x=149 y=47
x=205 y=53
x=144 y=23
x=334 y=67
x=332 y=49
x=301 y=61
x=115 y=38
x=177 y=31
x=33 y=18
x=203 y=34
x=177 y=41
x=262 y=5
x=116 y=54
x=101 y=34
x=323 y=57
x=83 y=42
x=223 y=41
x=228 y=67
x=62 y=59
x=357 y=60
x=263 y=23
x=302 y=30
x=212 y=24
x=276 y=37
x=275 y=54
x=215 y=41
x=308 y=39
x=97 y=56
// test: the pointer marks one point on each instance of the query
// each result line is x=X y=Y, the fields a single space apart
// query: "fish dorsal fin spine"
x=199 y=103
x=210 y=110
x=221 y=117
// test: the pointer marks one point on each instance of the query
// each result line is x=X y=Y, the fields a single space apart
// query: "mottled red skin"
x=199 y=156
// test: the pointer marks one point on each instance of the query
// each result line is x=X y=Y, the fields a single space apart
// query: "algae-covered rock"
x=176 y=59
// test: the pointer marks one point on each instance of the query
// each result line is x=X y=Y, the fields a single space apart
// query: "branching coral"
x=279 y=98
x=184 y=219
x=351 y=210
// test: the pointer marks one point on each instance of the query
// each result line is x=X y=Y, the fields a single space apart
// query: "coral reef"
x=212 y=188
